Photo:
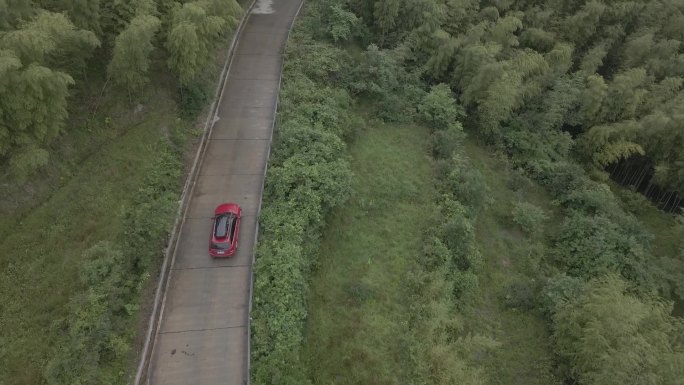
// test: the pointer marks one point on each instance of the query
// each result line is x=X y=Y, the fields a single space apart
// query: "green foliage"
x=607 y=336
x=91 y=330
x=34 y=88
x=131 y=57
x=589 y=246
x=529 y=217
x=559 y=290
x=439 y=109
x=319 y=62
x=194 y=96
x=195 y=29
x=447 y=141
x=505 y=63
x=85 y=14
x=12 y=12
x=33 y=101
x=386 y=15
x=342 y=23
x=50 y=39
x=113 y=277
x=380 y=77
x=308 y=176
x=466 y=184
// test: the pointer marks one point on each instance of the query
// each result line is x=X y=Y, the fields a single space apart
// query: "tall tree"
x=85 y=14
x=195 y=29
x=608 y=336
x=52 y=40
x=33 y=104
x=130 y=59
x=13 y=12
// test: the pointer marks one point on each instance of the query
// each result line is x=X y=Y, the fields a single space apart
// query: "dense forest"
x=50 y=47
x=578 y=97
x=601 y=80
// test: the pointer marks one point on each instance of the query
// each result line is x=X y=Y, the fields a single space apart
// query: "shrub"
x=559 y=290
x=438 y=109
x=435 y=253
x=446 y=141
x=342 y=23
x=529 y=217
x=467 y=184
x=592 y=246
x=193 y=98
x=307 y=177
x=522 y=294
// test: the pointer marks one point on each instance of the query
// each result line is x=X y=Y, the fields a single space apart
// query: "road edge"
x=186 y=196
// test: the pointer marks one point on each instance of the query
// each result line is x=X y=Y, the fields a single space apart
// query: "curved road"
x=203 y=334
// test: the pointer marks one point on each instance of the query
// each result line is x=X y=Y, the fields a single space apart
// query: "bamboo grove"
x=50 y=47
x=602 y=80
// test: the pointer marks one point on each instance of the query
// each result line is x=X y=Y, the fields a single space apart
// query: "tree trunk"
x=644 y=171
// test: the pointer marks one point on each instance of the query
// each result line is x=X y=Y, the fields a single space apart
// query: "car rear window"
x=220 y=246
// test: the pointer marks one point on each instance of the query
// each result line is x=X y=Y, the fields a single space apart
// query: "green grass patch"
x=42 y=255
x=503 y=308
x=358 y=313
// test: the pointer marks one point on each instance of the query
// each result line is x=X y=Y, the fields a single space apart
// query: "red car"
x=225 y=229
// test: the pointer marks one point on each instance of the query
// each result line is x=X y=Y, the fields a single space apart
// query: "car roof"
x=223 y=223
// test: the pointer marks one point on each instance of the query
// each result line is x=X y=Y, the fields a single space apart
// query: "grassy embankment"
x=41 y=252
x=359 y=307
x=97 y=167
x=358 y=312
x=503 y=306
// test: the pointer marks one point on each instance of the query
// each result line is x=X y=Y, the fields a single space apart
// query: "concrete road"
x=203 y=334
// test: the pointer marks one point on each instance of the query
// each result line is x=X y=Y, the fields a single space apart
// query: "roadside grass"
x=508 y=282
x=358 y=313
x=42 y=254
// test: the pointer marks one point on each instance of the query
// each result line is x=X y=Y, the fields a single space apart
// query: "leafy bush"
x=380 y=77
x=590 y=246
x=447 y=141
x=467 y=184
x=529 y=217
x=633 y=201
x=559 y=290
x=522 y=294
x=193 y=98
x=308 y=176
x=439 y=110
x=435 y=253
x=342 y=23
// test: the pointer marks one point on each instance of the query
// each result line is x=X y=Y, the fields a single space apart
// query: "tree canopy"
x=47 y=47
